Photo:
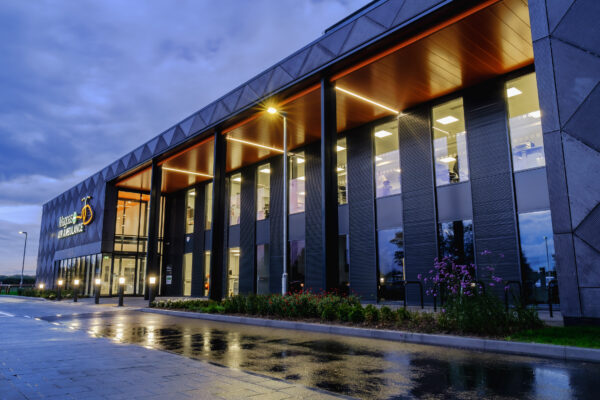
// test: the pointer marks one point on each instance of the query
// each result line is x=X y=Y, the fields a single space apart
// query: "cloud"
x=84 y=82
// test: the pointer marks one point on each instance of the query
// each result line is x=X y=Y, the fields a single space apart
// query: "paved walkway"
x=41 y=360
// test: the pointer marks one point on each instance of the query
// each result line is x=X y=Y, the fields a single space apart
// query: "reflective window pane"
x=537 y=253
x=297 y=265
x=190 y=206
x=525 y=124
x=233 y=272
x=187 y=274
x=387 y=159
x=449 y=143
x=343 y=283
x=456 y=241
x=297 y=192
x=390 y=247
x=262 y=269
x=263 y=191
x=235 y=188
x=208 y=206
x=206 y=272
x=341 y=169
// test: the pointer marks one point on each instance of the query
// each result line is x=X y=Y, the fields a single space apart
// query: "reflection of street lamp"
x=23 y=266
x=284 y=275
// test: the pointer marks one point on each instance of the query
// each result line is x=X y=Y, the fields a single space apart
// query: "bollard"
x=97 y=291
x=75 y=290
x=121 y=287
x=59 y=294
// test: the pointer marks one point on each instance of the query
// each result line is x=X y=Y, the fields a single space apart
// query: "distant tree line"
x=16 y=279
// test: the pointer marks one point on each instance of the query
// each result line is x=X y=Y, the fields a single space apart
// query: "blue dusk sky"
x=84 y=82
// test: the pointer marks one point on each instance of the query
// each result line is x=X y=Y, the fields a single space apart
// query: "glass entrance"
x=124 y=266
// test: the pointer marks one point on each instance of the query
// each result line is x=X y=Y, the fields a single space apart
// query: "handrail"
x=507 y=288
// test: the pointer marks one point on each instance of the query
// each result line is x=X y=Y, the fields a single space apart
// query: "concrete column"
x=218 y=218
x=152 y=257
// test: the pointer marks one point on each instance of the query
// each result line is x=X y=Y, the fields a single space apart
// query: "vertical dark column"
x=248 y=231
x=361 y=214
x=494 y=213
x=198 y=258
x=174 y=243
x=110 y=214
x=567 y=64
x=315 y=276
x=276 y=228
x=418 y=195
x=329 y=201
x=218 y=213
x=153 y=258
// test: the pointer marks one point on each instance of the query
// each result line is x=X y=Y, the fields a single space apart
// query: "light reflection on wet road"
x=365 y=368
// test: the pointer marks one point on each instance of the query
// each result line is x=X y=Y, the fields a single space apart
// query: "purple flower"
x=492 y=284
x=485 y=252
x=419 y=277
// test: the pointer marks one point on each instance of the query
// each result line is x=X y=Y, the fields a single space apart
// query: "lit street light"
x=23 y=266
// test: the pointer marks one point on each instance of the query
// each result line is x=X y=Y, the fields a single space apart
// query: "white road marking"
x=5 y=314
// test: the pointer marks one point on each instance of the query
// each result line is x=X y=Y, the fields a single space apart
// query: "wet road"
x=357 y=367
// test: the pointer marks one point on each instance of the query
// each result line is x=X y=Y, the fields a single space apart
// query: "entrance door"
x=124 y=266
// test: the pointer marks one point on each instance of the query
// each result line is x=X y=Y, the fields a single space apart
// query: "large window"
x=262 y=269
x=235 y=188
x=450 y=143
x=297 y=265
x=387 y=159
x=537 y=253
x=455 y=239
x=233 y=272
x=131 y=224
x=206 y=272
x=208 y=206
x=390 y=246
x=187 y=274
x=525 y=123
x=190 y=206
x=263 y=191
x=341 y=169
x=297 y=183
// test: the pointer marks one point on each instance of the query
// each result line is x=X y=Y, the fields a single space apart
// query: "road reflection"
x=357 y=367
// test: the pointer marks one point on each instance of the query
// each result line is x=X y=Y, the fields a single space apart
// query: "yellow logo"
x=87 y=215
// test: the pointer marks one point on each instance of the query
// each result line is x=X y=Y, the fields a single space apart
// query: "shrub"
x=387 y=315
x=403 y=315
x=372 y=314
x=357 y=314
x=329 y=312
x=423 y=322
x=343 y=312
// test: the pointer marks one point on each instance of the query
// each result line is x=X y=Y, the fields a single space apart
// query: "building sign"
x=74 y=224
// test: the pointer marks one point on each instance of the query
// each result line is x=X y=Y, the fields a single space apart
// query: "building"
x=416 y=129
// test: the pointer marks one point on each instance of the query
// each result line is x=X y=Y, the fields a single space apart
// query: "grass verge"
x=579 y=336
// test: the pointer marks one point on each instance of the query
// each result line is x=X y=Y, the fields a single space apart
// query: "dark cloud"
x=84 y=82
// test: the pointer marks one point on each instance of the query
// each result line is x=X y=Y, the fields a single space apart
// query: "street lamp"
x=97 y=282
x=75 y=290
x=284 y=275
x=41 y=286
x=151 y=283
x=59 y=294
x=121 y=287
x=23 y=266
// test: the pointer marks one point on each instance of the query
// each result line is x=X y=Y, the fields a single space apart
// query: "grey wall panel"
x=389 y=212
x=418 y=195
x=494 y=214
x=198 y=243
x=247 y=231
x=454 y=202
x=233 y=238
x=361 y=214
x=343 y=221
x=531 y=188
x=276 y=221
x=263 y=231
x=315 y=270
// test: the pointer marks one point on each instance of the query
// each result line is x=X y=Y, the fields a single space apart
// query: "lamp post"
x=97 y=282
x=284 y=275
x=75 y=290
x=23 y=266
x=59 y=294
x=121 y=287
x=151 y=295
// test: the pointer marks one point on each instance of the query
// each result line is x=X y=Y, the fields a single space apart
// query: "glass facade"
x=342 y=173
x=187 y=274
x=297 y=192
x=235 y=188
x=387 y=159
x=525 y=124
x=390 y=247
x=263 y=191
x=262 y=269
x=455 y=240
x=206 y=272
x=450 y=143
x=131 y=225
x=233 y=271
x=208 y=191
x=190 y=206
x=538 y=263
x=297 y=265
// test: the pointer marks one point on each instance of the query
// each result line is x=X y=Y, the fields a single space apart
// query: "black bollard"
x=121 y=295
x=75 y=294
x=59 y=293
x=97 y=295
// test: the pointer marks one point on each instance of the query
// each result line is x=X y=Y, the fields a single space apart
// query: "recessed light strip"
x=253 y=144
x=367 y=100
x=187 y=172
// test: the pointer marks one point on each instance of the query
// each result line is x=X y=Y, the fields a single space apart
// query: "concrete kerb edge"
x=567 y=353
x=12 y=296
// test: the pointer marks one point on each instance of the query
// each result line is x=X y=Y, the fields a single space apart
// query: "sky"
x=84 y=82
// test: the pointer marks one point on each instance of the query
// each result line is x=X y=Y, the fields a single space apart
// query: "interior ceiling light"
x=182 y=171
x=299 y=160
x=441 y=130
x=381 y=164
x=447 y=120
x=272 y=110
x=512 y=91
x=237 y=179
x=301 y=178
x=339 y=169
x=382 y=134
x=340 y=148
x=448 y=159
x=262 y=146
x=366 y=100
x=377 y=158
x=535 y=114
x=265 y=170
